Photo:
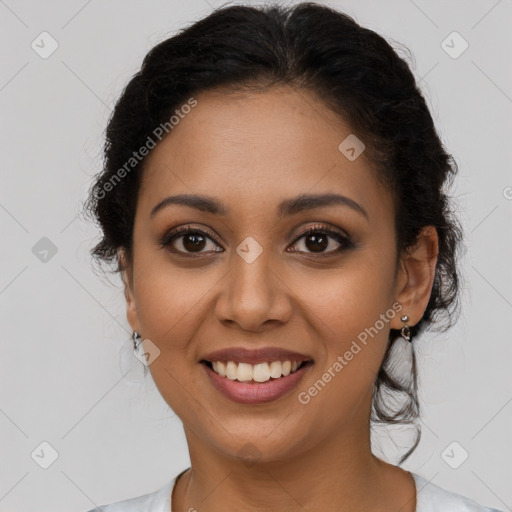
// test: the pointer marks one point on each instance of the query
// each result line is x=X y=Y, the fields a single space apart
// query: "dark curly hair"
x=359 y=76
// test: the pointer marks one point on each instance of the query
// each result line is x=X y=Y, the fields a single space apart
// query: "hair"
x=359 y=76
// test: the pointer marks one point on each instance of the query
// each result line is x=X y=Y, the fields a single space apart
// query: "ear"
x=127 y=277
x=416 y=277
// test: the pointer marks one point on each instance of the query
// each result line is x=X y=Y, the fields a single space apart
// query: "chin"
x=255 y=447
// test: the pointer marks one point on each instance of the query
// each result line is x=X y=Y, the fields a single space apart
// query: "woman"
x=273 y=197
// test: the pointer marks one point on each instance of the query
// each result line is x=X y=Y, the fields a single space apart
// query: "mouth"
x=260 y=383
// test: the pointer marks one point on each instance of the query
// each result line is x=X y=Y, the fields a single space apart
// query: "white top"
x=429 y=498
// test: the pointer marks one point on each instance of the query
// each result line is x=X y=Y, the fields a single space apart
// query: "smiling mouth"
x=257 y=373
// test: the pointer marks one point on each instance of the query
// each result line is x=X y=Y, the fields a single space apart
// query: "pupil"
x=321 y=240
x=198 y=242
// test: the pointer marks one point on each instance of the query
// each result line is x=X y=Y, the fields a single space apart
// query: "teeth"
x=220 y=368
x=244 y=372
x=231 y=369
x=261 y=372
x=275 y=369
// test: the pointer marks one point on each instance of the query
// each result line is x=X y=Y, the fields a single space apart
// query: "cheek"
x=348 y=301
x=169 y=299
x=348 y=316
x=351 y=311
x=170 y=304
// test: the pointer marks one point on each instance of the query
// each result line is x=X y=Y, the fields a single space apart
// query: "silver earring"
x=135 y=373
x=405 y=332
x=136 y=340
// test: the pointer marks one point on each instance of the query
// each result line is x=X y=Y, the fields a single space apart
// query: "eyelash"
x=345 y=242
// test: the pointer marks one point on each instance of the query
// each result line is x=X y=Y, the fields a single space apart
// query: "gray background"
x=65 y=340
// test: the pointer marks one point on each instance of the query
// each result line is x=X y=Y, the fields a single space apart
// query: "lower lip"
x=256 y=392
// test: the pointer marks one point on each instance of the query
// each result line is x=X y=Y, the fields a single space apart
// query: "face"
x=251 y=276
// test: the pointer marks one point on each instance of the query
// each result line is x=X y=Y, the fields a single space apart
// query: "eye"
x=189 y=240
x=317 y=240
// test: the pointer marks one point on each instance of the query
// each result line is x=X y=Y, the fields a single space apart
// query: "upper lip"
x=255 y=356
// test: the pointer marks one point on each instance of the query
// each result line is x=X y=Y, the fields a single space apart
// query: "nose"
x=255 y=296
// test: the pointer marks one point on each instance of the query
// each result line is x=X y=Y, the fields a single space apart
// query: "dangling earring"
x=405 y=332
x=136 y=340
x=129 y=358
x=401 y=356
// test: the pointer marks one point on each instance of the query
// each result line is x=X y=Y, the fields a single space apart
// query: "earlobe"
x=127 y=278
x=416 y=275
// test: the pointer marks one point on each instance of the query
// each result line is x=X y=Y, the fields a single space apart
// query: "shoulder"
x=432 y=498
x=157 y=501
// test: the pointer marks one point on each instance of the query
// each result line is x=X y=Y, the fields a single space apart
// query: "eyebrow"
x=286 y=208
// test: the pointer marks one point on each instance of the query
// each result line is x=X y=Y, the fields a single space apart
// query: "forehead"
x=255 y=149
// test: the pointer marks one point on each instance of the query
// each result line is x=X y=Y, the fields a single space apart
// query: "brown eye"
x=193 y=242
x=189 y=240
x=318 y=240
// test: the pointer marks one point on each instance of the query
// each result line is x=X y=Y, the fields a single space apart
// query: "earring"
x=405 y=332
x=133 y=372
x=136 y=340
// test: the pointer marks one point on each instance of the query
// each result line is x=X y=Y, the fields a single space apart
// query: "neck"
x=341 y=475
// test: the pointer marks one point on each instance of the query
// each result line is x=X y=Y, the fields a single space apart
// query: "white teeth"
x=244 y=372
x=220 y=368
x=231 y=369
x=261 y=372
x=275 y=369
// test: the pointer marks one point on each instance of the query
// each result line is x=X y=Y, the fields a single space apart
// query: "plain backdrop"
x=64 y=337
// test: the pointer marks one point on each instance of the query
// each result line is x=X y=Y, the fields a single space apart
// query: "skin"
x=251 y=151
